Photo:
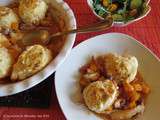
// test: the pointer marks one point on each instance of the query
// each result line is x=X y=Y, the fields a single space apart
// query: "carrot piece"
x=14 y=26
x=137 y=87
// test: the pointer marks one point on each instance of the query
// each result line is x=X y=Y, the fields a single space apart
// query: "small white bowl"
x=145 y=13
x=62 y=10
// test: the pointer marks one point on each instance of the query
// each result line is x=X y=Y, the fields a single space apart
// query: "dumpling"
x=32 y=60
x=6 y=62
x=8 y=19
x=100 y=95
x=32 y=11
x=121 y=68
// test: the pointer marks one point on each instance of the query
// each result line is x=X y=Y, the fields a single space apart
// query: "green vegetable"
x=96 y=2
x=101 y=13
x=100 y=10
x=121 y=11
x=117 y=17
x=135 y=4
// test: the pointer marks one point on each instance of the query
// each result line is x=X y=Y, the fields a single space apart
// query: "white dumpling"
x=30 y=61
x=32 y=11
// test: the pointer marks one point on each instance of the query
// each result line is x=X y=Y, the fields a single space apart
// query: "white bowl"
x=62 y=9
x=144 y=14
x=66 y=77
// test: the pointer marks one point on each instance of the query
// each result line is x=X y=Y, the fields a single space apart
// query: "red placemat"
x=146 y=31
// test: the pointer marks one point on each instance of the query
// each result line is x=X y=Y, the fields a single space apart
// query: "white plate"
x=66 y=76
x=61 y=10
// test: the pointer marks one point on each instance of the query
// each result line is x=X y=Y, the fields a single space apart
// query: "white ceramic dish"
x=145 y=13
x=62 y=9
x=66 y=77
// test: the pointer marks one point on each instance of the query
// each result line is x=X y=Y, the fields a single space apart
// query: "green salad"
x=120 y=10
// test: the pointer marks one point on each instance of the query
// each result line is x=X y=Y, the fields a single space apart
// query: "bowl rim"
x=148 y=7
x=20 y=86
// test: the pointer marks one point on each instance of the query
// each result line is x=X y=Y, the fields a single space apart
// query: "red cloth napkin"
x=146 y=31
